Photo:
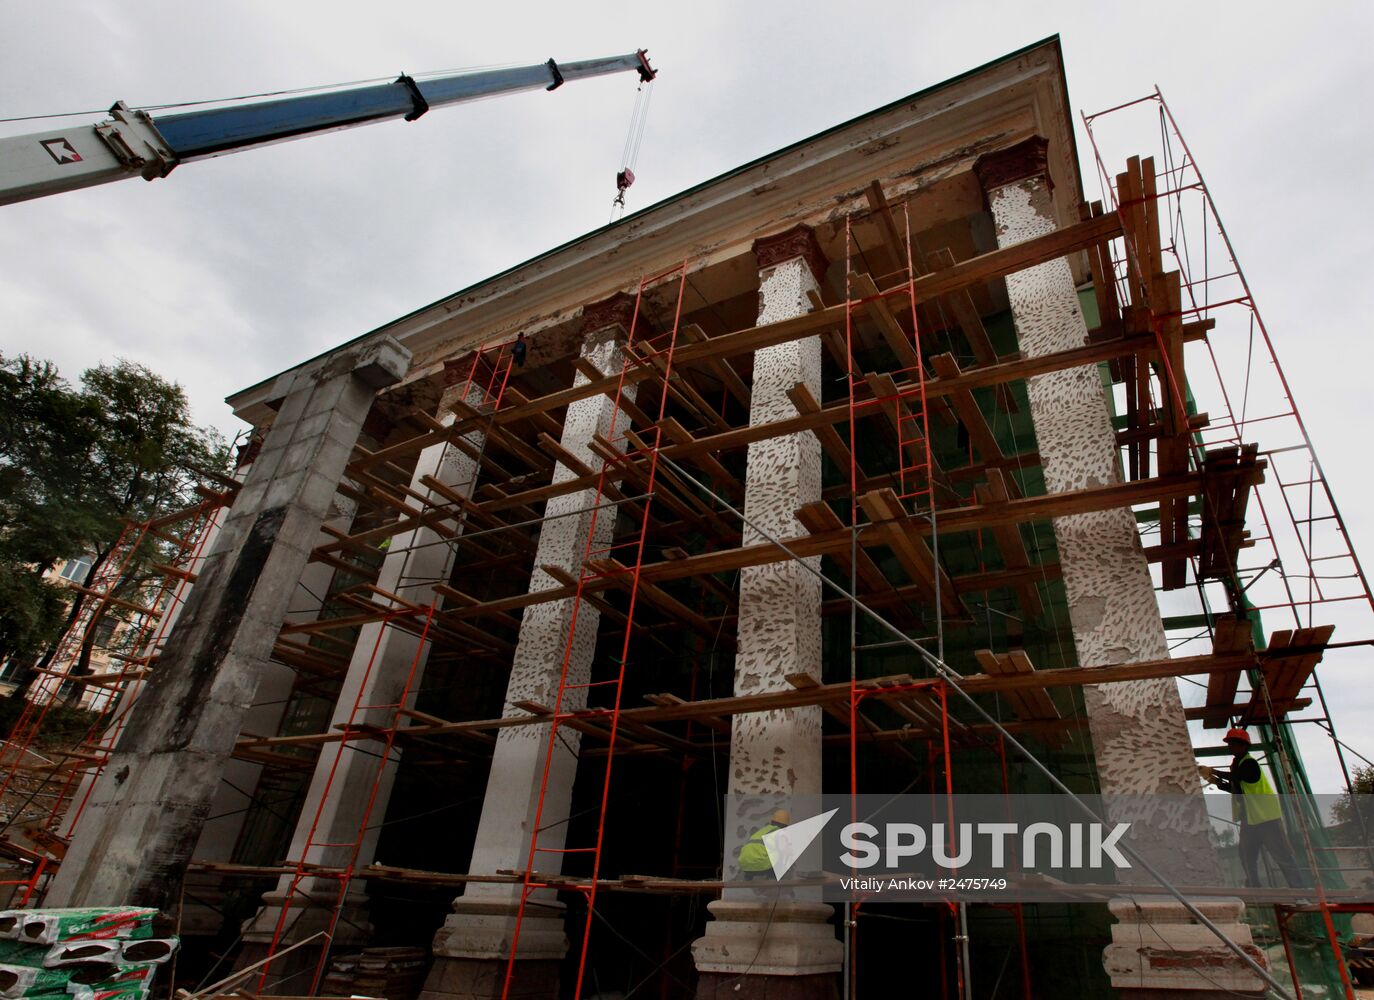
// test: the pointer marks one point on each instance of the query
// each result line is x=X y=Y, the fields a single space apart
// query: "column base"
x=485 y=979
x=1160 y=952
x=473 y=947
x=202 y=913
x=725 y=986
x=764 y=940
x=351 y=933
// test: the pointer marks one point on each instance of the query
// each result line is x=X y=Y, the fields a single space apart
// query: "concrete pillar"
x=775 y=948
x=134 y=689
x=229 y=809
x=377 y=675
x=148 y=806
x=1140 y=739
x=472 y=948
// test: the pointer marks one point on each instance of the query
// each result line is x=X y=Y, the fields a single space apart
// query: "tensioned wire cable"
x=952 y=678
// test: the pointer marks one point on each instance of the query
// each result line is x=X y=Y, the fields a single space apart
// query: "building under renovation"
x=447 y=687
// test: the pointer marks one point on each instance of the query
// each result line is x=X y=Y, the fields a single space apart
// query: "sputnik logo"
x=785 y=846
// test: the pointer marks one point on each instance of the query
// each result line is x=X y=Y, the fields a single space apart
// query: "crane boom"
x=132 y=144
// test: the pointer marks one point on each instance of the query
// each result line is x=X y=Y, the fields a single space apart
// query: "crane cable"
x=629 y=156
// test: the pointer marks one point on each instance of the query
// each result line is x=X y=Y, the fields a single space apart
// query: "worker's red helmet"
x=1237 y=734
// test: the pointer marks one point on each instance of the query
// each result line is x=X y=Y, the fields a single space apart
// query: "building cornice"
x=915 y=141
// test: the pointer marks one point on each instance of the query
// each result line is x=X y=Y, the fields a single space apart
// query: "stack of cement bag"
x=92 y=954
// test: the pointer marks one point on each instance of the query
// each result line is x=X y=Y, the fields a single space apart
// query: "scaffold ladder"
x=626 y=448
x=489 y=374
x=44 y=691
x=354 y=730
x=176 y=578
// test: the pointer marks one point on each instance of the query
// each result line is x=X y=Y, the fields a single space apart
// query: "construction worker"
x=1255 y=806
x=753 y=856
x=518 y=350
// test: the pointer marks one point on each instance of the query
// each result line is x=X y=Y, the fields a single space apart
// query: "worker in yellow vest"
x=1255 y=806
x=753 y=856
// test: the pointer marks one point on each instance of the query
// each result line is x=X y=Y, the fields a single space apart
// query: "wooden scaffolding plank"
x=623 y=577
x=668 y=708
x=837 y=413
x=818 y=518
x=721 y=368
x=887 y=225
x=721 y=477
x=1225 y=499
x=499 y=435
x=831 y=442
x=1230 y=634
x=1103 y=277
x=682 y=390
x=957 y=519
x=896 y=339
x=1285 y=675
x=967 y=410
x=996 y=263
x=911 y=549
x=961 y=306
x=901 y=405
x=1239 y=711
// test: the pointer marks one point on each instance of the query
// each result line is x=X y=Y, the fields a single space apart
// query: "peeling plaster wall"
x=1139 y=735
x=779 y=752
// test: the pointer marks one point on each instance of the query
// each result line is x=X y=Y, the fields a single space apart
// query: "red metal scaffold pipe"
x=630 y=358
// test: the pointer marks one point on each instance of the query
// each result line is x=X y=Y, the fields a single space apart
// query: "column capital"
x=617 y=310
x=456 y=369
x=246 y=454
x=1028 y=158
x=379 y=363
x=456 y=380
x=799 y=241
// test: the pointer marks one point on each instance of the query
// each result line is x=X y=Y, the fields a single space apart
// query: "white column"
x=1139 y=735
x=472 y=947
x=1140 y=738
x=377 y=675
x=778 y=753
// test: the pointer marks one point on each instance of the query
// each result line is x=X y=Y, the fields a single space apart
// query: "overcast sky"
x=236 y=268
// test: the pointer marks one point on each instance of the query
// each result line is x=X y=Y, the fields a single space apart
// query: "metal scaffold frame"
x=70 y=781
x=908 y=344
x=639 y=351
x=1210 y=289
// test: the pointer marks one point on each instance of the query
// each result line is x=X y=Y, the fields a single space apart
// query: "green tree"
x=1353 y=813
x=75 y=466
x=45 y=431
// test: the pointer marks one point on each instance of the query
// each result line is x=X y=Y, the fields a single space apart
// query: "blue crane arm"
x=199 y=134
x=133 y=144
